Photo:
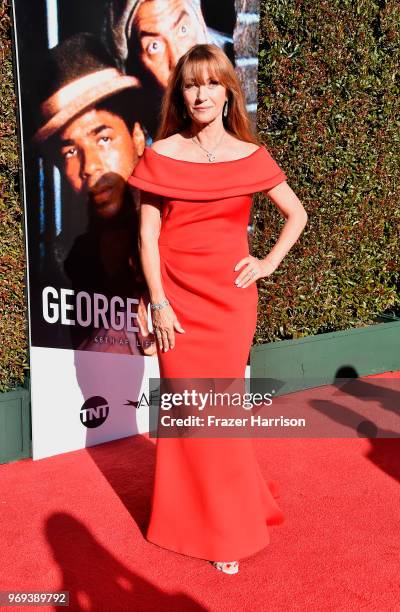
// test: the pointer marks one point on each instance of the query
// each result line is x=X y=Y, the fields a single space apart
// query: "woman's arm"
x=292 y=209
x=149 y=231
x=164 y=319
x=146 y=338
x=296 y=216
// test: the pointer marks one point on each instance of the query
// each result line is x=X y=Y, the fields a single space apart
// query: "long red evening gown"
x=210 y=499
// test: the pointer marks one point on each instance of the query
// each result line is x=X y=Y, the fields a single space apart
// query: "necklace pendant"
x=211 y=157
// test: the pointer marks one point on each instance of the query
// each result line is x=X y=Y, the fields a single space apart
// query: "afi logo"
x=94 y=412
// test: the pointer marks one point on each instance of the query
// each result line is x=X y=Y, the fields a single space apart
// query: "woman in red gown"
x=210 y=499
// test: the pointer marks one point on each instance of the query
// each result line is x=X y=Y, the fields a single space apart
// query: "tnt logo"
x=94 y=412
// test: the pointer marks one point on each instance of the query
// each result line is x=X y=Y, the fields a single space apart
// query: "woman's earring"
x=184 y=113
x=225 y=111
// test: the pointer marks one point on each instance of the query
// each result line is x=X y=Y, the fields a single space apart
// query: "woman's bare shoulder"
x=242 y=147
x=167 y=146
x=176 y=146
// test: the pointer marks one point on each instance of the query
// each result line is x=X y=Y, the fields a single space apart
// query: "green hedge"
x=328 y=108
x=329 y=112
x=13 y=315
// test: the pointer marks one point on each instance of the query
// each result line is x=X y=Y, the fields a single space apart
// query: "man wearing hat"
x=88 y=128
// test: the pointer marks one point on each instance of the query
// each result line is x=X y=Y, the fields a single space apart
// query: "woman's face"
x=205 y=100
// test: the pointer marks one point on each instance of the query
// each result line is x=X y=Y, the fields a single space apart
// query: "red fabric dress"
x=210 y=499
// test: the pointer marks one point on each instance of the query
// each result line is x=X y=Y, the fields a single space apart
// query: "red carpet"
x=74 y=522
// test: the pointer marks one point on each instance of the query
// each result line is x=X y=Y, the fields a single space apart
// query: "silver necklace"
x=210 y=154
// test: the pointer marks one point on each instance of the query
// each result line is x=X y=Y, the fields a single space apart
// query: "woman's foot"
x=228 y=567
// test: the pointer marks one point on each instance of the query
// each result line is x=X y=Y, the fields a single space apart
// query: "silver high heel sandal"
x=228 y=567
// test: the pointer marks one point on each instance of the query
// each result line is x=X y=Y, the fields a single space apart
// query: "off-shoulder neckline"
x=184 y=161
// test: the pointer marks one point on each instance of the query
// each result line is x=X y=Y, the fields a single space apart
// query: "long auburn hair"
x=191 y=65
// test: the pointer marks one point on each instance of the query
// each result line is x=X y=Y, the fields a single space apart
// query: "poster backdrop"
x=91 y=76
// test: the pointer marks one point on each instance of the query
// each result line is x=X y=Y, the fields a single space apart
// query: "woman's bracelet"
x=159 y=305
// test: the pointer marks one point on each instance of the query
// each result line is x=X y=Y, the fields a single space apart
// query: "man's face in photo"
x=97 y=153
x=165 y=30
